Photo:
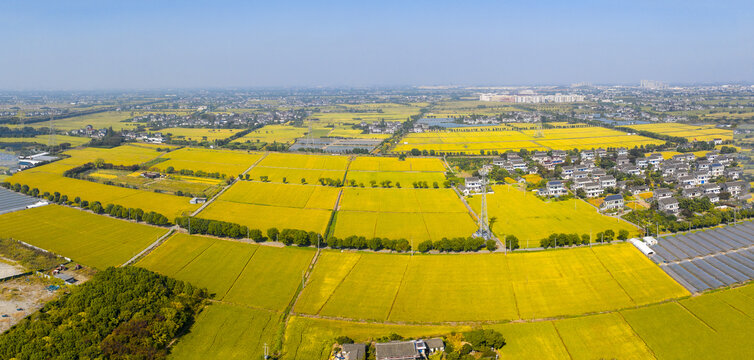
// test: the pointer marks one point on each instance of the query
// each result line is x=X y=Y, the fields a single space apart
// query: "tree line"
x=296 y=237
x=562 y=240
x=118 y=211
x=121 y=313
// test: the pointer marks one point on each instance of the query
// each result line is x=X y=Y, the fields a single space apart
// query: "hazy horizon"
x=87 y=45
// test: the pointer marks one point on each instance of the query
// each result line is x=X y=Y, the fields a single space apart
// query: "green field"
x=93 y=240
x=530 y=219
x=224 y=331
x=484 y=287
x=235 y=272
x=412 y=214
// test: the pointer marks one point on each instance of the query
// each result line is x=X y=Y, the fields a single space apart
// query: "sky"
x=93 y=45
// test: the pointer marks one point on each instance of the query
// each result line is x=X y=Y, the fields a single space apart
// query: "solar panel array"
x=12 y=201
x=708 y=259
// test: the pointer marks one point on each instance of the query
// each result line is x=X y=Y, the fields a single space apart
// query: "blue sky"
x=182 y=44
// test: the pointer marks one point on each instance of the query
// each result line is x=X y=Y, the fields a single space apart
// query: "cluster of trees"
x=198 y=173
x=78 y=171
x=675 y=139
x=330 y=182
x=130 y=313
x=26 y=131
x=458 y=244
x=213 y=227
x=30 y=257
x=667 y=222
x=361 y=242
x=696 y=205
x=310 y=238
x=561 y=240
x=111 y=139
x=118 y=211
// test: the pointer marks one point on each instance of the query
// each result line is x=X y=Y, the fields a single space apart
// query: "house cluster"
x=88 y=131
x=388 y=127
x=394 y=350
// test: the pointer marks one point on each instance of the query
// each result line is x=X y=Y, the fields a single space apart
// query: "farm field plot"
x=170 y=184
x=224 y=331
x=236 y=272
x=263 y=217
x=404 y=179
x=265 y=205
x=228 y=162
x=365 y=113
x=286 y=134
x=45 y=139
x=483 y=287
x=285 y=195
x=690 y=132
x=712 y=326
x=469 y=141
x=168 y=205
x=311 y=339
x=199 y=134
x=98 y=121
x=364 y=169
x=295 y=167
x=530 y=219
x=93 y=240
x=128 y=154
x=299 y=161
x=346 y=132
x=412 y=214
x=374 y=163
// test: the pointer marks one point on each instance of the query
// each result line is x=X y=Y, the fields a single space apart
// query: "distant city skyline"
x=91 y=45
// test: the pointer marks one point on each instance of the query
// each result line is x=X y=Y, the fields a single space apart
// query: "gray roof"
x=613 y=197
x=12 y=201
x=355 y=351
x=396 y=350
x=435 y=343
x=667 y=201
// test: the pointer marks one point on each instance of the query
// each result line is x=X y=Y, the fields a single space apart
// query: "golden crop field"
x=199 y=134
x=294 y=167
x=128 y=154
x=365 y=169
x=373 y=163
x=49 y=178
x=484 y=287
x=412 y=214
x=228 y=162
x=530 y=219
x=286 y=134
x=45 y=140
x=266 y=205
x=93 y=240
x=101 y=120
x=690 y=132
x=468 y=141
x=236 y=272
x=365 y=113
x=347 y=132
x=706 y=326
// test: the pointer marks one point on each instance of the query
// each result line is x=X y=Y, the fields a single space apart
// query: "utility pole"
x=266 y=352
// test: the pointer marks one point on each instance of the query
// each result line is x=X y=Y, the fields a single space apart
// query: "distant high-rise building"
x=652 y=85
